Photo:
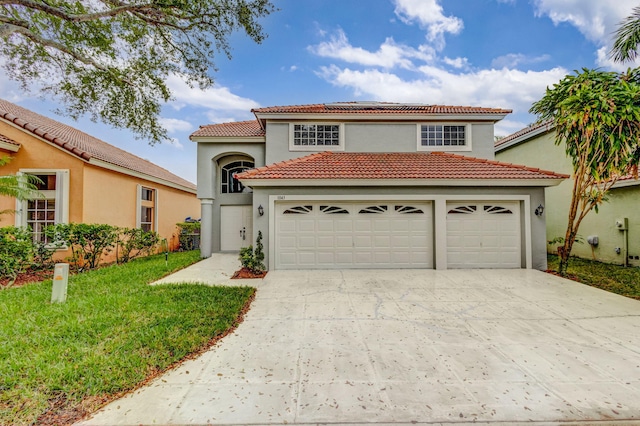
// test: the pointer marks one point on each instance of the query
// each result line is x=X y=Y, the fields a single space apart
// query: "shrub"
x=253 y=260
x=16 y=251
x=189 y=235
x=88 y=242
x=134 y=242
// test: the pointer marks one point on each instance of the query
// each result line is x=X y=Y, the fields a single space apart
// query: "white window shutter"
x=138 y=205
x=62 y=196
x=155 y=210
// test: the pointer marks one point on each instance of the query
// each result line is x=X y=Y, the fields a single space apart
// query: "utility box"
x=60 y=283
x=622 y=224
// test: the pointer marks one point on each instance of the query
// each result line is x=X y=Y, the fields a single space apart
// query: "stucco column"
x=206 y=227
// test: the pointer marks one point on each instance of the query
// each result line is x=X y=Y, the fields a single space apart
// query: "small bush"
x=135 y=242
x=253 y=260
x=189 y=235
x=88 y=242
x=16 y=251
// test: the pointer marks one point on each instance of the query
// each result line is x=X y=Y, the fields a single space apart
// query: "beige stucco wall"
x=541 y=152
x=96 y=195
x=117 y=206
x=37 y=154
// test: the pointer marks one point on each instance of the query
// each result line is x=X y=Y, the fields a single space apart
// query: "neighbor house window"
x=147 y=209
x=316 y=137
x=231 y=185
x=49 y=206
x=444 y=137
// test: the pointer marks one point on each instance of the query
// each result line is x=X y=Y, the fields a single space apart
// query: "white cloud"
x=175 y=125
x=505 y=88
x=597 y=20
x=457 y=62
x=215 y=98
x=430 y=15
x=389 y=55
x=513 y=60
x=175 y=143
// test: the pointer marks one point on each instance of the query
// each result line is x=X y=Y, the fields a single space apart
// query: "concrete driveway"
x=408 y=346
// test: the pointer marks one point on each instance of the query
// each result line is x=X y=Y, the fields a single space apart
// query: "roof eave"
x=506 y=182
x=228 y=139
x=523 y=138
x=129 y=172
x=11 y=147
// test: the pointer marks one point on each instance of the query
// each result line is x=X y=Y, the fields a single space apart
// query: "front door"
x=236 y=227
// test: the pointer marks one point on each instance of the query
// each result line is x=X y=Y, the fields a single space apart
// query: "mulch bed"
x=28 y=276
x=247 y=273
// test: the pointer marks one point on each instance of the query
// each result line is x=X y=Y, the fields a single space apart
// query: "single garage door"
x=483 y=235
x=338 y=235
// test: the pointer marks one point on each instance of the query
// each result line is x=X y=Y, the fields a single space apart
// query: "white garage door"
x=337 y=235
x=483 y=235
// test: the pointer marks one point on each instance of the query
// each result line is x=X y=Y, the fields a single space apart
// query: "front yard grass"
x=114 y=332
x=614 y=278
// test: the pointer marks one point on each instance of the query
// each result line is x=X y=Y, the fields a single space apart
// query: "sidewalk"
x=215 y=270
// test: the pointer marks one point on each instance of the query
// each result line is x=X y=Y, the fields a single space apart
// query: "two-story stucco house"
x=370 y=185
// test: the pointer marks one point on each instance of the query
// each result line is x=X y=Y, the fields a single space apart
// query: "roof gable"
x=84 y=145
x=249 y=128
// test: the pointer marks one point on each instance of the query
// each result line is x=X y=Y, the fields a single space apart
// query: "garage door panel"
x=307 y=225
x=344 y=241
x=355 y=235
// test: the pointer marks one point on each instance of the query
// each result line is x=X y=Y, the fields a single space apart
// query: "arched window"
x=229 y=184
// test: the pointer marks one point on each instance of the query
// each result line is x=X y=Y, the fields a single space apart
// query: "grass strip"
x=113 y=333
x=606 y=276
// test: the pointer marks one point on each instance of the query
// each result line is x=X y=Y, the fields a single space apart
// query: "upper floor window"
x=444 y=137
x=316 y=137
x=231 y=185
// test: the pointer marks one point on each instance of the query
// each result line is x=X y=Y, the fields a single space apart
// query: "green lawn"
x=613 y=278
x=113 y=332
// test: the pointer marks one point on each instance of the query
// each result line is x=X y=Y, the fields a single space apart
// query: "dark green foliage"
x=189 y=235
x=596 y=115
x=253 y=260
x=88 y=242
x=625 y=46
x=135 y=242
x=16 y=251
x=112 y=60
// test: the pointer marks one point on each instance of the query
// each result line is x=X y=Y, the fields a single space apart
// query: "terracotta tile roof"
x=5 y=139
x=82 y=144
x=377 y=108
x=436 y=165
x=542 y=126
x=237 y=129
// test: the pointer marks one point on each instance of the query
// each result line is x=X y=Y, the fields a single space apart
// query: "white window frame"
x=61 y=196
x=449 y=148
x=139 y=206
x=316 y=148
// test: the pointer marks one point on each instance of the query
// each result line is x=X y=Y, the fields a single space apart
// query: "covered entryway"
x=334 y=234
x=236 y=227
x=484 y=235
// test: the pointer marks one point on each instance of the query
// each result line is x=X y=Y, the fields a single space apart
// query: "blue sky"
x=491 y=53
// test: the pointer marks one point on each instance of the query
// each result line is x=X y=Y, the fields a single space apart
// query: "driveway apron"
x=408 y=346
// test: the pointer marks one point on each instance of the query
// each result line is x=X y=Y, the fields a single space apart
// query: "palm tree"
x=21 y=187
x=625 y=47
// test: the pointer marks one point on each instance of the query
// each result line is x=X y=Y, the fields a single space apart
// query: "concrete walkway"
x=406 y=347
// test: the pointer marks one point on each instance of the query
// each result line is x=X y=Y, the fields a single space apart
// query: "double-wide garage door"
x=325 y=235
x=349 y=235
